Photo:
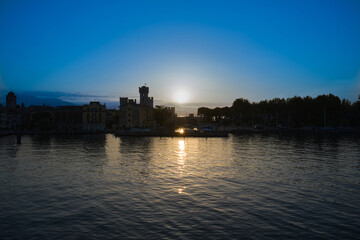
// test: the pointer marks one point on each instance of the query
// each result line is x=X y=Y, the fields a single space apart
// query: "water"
x=241 y=187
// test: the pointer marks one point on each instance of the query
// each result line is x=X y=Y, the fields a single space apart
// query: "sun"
x=181 y=96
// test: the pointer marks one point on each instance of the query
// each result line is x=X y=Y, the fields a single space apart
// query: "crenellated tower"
x=145 y=100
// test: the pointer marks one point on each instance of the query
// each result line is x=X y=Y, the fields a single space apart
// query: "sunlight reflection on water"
x=253 y=186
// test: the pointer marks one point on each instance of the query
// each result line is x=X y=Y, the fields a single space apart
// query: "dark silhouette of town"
x=323 y=113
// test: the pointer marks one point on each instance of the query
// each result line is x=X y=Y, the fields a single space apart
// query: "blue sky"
x=216 y=51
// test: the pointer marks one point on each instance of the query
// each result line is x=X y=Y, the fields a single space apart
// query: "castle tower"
x=145 y=100
x=10 y=101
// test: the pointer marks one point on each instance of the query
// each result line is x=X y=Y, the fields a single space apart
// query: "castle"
x=133 y=115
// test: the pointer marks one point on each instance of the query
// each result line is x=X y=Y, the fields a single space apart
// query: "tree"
x=241 y=111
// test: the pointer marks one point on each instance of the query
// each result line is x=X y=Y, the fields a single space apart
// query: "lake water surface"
x=241 y=187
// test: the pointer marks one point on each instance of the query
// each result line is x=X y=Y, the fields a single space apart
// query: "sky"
x=211 y=51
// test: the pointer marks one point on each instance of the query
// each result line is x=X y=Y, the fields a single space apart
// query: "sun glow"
x=180 y=130
x=181 y=96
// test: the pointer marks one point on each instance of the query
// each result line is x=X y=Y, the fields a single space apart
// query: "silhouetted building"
x=3 y=118
x=112 y=119
x=145 y=100
x=11 y=101
x=10 y=115
x=189 y=121
x=37 y=117
x=68 y=118
x=133 y=115
x=94 y=117
x=165 y=117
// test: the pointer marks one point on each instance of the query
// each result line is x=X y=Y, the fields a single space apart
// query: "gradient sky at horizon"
x=215 y=50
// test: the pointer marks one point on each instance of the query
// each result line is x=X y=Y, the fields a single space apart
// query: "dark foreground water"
x=250 y=186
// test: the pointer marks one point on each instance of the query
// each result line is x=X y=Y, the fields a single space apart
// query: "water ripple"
x=249 y=186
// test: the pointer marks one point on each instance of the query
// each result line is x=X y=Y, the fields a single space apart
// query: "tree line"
x=322 y=111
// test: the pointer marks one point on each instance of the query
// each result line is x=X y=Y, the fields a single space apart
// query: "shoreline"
x=316 y=131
